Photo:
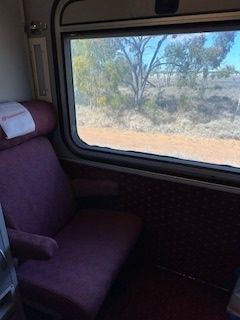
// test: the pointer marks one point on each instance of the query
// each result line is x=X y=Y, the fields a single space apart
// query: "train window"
x=170 y=95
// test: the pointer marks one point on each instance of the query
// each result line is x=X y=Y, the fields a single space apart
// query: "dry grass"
x=211 y=114
x=161 y=122
x=174 y=122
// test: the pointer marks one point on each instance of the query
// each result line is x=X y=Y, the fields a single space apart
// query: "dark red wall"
x=192 y=230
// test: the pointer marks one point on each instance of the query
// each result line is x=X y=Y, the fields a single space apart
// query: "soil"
x=217 y=151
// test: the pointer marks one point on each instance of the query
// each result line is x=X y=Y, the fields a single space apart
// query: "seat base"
x=92 y=250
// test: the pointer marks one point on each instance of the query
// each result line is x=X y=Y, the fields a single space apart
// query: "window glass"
x=170 y=95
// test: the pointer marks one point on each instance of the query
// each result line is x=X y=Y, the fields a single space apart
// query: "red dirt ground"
x=217 y=151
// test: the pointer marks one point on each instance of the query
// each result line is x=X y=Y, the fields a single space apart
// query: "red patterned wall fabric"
x=194 y=231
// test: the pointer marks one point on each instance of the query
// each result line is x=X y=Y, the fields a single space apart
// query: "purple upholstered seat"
x=37 y=198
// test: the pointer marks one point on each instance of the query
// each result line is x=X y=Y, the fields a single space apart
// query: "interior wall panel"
x=15 y=81
x=92 y=11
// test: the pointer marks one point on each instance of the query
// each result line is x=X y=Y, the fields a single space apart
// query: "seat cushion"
x=92 y=249
x=35 y=193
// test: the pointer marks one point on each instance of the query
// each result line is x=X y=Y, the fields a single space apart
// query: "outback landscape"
x=181 y=99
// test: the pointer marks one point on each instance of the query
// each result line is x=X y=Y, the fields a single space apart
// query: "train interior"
x=120 y=159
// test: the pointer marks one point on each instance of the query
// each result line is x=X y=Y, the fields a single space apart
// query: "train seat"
x=67 y=259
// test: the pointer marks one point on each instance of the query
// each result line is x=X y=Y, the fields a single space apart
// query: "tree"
x=96 y=71
x=193 y=56
x=140 y=58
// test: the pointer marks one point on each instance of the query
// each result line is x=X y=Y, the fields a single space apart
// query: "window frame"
x=157 y=164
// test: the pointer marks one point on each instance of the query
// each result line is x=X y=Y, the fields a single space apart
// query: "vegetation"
x=97 y=72
x=162 y=80
x=191 y=58
x=138 y=71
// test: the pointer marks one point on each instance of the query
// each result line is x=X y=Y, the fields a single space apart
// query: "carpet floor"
x=152 y=294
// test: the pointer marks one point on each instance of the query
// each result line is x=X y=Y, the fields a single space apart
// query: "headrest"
x=44 y=116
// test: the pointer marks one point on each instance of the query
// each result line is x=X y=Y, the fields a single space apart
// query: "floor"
x=152 y=294
x=148 y=293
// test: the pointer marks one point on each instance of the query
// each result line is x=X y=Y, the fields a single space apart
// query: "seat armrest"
x=25 y=246
x=95 y=188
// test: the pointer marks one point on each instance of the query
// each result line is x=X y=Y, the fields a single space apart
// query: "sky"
x=233 y=57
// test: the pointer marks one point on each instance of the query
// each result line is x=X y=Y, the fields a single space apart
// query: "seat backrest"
x=35 y=193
